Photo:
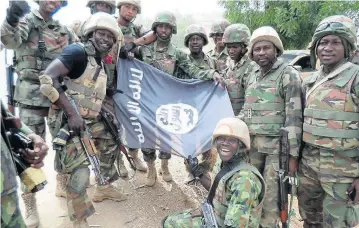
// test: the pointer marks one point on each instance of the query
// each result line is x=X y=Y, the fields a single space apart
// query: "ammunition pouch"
x=55 y=121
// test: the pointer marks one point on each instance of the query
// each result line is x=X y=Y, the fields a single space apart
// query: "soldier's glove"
x=126 y=49
x=196 y=169
x=16 y=10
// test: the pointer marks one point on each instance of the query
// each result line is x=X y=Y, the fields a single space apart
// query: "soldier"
x=219 y=52
x=10 y=211
x=328 y=193
x=272 y=101
x=163 y=55
x=36 y=39
x=85 y=81
x=236 y=39
x=237 y=198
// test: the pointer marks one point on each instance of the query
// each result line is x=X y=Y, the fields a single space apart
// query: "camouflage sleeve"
x=192 y=69
x=24 y=129
x=292 y=93
x=245 y=189
x=12 y=37
x=355 y=89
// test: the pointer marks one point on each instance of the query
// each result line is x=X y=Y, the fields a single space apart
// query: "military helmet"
x=219 y=27
x=165 y=17
x=265 y=33
x=64 y=2
x=110 y=3
x=233 y=127
x=339 y=25
x=102 y=20
x=136 y=3
x=237 y=33
x=195 y=29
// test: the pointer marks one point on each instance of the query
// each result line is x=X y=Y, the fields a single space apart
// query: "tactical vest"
x=331 y=118
x=235 y=91
x=220 y=204
x=264 y=107
x=89 y=90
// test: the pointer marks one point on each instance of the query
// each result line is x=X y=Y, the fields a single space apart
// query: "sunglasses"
x=334 y=25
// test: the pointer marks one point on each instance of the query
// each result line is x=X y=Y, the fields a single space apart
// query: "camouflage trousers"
x=268 y=164
x=10 y=212
x=149 y=155
x=323 y=203
x=185 y=219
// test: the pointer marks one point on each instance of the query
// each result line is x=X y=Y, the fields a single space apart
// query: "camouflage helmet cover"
x=64 y=3
x=233 y=127
x=136 y=3
x=165 y=17
x=195 y=29
x=219 y=27
x=237 y=33
x=111 y=3
x=265 y=33
x=102 y=20
x=339 y=25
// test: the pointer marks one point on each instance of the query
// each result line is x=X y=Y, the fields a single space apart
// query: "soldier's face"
x=104 y=40
x=128 y=12
x=103 y=7
x=264 y=53
x=330 y=50
x=217 y=39
x=227 y=146
x=164 y=31
x=50 y=6
x=195 y=44
x=235 y=51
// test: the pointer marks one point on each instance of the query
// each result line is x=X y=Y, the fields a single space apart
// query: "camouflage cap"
x=219 y=27
x=339 y=25
x=165 y=17
x=265 y=33
x=136 y=3
x=237 y=33
x=195 y=29
x=110 y=3
x=233 y=127
x=102 y=20
x=64 y=2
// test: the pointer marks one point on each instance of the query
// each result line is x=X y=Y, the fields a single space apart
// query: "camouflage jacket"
x=172 y=60
x=274 y=100
x=239 y=196
x=132 y=31
x=8 y=182
x=221 y=59
x=235 y=78
x=206 y=63
x=30 y=61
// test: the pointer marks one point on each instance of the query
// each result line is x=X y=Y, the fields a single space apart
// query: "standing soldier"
x=80 y=68
x=219 y=52
x=328 y=193
x=236 y=39
x=272 y=101
x=36 y=39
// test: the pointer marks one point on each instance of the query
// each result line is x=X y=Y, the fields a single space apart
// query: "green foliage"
x=295 y=21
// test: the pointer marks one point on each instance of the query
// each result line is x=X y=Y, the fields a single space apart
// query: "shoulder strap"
x=214 y=186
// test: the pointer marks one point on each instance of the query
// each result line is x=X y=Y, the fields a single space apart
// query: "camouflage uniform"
x=221 y=58
x=237 y=72
x=240 y=192
x=272 y=101
x=329 y=163
x=10 y=210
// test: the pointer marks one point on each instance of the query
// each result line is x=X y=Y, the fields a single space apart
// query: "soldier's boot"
x=32 y=219
x=80 y=224
x=166 y=175
x=121 y=167
x=151 y=174
x=108 y=192
x=140 y=166
x=61 y=180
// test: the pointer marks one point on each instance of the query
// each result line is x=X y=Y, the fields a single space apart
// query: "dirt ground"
x=144 y=208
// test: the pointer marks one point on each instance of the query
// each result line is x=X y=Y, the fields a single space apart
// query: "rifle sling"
x=225 y=169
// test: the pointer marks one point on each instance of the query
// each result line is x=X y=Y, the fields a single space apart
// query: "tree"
x=295 y=21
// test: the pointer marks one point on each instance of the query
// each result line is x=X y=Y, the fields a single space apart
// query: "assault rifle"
x=107 y=119
x=10 y=85
x=208 y=215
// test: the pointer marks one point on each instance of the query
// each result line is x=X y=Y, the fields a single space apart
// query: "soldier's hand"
x=193 y=167
x=218 y=78
x=16 y=10
x=293 y=165
x=354 y=188
x=35 y=157
x=125 y=51
x=76 y=124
